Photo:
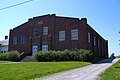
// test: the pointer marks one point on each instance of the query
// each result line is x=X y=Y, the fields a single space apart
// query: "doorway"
x=45 y=47
x=34 y=48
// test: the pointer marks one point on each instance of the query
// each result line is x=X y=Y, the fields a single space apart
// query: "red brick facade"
x=56 y=24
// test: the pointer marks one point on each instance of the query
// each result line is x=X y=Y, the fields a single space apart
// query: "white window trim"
x=94 y=41
x=62 y=35
x=89 y=37
x=74 y=34
x=45 y=30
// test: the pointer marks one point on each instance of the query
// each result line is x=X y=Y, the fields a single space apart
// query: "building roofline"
x=19 y=25
x=80 y=19
x=67 y=17
x=55 y=16
x=96 y=32
x=37 y=17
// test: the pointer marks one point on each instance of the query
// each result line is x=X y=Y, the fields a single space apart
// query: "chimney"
x=53 y=14
x=84 y=20
x=6 y=37
x=29 y=19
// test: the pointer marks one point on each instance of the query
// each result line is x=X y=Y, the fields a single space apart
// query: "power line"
x=15 y=5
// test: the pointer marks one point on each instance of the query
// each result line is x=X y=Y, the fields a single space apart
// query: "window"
x=74 y=34
x=45 y=30
x=40 y=22
x=35 y=32
x=22 y=39
x=94 y=41
x=88 y=37
x=14 y=39
x=98 y=43
x=61 y=35
x=102 y=44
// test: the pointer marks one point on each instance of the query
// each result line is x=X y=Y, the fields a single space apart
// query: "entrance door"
x=34 y=48
x=45 y=47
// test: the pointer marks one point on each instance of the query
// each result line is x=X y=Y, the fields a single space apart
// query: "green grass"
x=4 y=61
x=112 y=73
x=31 y=70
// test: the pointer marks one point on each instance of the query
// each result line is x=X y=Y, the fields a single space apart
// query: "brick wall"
x=56 y=24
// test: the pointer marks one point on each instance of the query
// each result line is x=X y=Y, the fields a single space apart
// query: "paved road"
x=90 y=72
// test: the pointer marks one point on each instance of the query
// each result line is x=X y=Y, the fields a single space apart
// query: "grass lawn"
x=4 y=61
x=112 y=73
x=31 y=70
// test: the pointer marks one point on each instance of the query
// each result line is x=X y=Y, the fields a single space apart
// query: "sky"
x=102 y=15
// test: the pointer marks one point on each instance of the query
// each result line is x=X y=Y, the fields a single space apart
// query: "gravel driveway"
x=90 y=72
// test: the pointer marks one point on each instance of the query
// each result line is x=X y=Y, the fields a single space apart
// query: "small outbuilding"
x=4 y=45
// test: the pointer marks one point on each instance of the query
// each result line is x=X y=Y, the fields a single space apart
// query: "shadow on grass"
x=117 y=67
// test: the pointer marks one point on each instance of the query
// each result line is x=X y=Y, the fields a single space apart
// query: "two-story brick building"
x=51 y=32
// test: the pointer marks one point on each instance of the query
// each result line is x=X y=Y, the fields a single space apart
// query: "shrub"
x=3 y=56
x=39 y=56
x=66 y=55
x=13 y=56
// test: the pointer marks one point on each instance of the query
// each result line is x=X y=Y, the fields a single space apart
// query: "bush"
x=39 y=56
x=11 y=56
x=66 y=55
x=3 y=56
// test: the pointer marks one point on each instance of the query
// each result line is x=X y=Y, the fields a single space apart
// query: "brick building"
x=51 y=32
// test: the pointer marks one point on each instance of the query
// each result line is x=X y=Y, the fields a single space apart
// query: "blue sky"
x=102 y=15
